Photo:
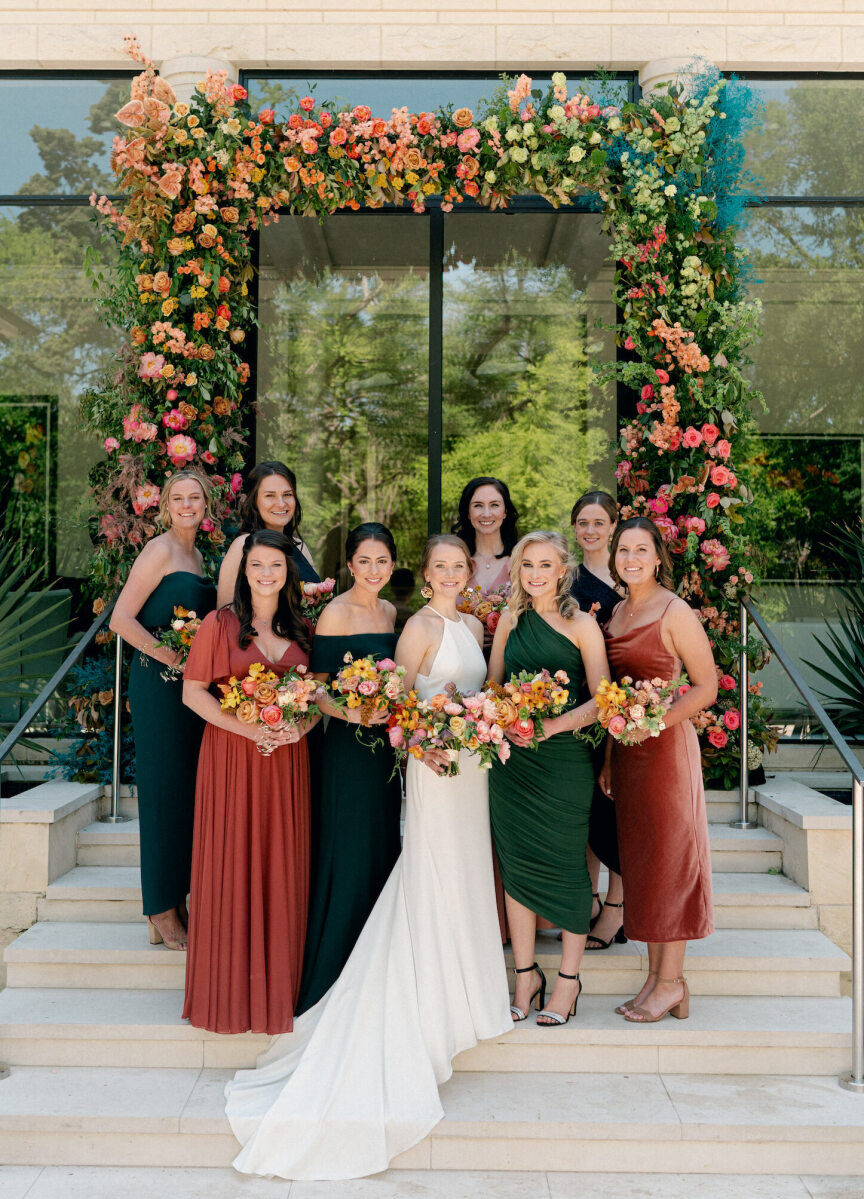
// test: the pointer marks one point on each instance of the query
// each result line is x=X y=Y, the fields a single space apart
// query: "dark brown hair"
x=603 y=498
x=463 y=527
x=250 y=517
x=663 y=574
x=288 y=621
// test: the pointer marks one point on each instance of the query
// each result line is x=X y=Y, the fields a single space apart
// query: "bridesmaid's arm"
x=196 y=695
x=592 y=647
x=690 y=643
x=499 y=642
x=228 y=571
x=147 y=572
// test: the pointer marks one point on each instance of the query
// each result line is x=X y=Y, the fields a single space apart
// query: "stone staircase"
x=104 y=1071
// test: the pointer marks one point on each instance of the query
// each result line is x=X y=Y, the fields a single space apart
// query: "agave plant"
x=23 y=629
x=843 y=643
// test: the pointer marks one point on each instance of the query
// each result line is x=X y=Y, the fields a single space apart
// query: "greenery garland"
x=198 y=177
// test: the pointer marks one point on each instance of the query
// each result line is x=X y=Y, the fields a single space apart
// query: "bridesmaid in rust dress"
x=250 y=854
x=657 y=784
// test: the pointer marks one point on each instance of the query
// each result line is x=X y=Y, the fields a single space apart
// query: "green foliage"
x=89 y=726
x=843 y=643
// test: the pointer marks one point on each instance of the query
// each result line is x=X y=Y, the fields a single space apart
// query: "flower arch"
x=666 y=170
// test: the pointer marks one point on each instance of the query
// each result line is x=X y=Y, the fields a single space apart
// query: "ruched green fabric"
x=540 y=799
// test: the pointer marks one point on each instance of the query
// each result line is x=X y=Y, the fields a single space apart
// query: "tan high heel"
x=680 y=1009
x=627 y=1006
x=156 y=937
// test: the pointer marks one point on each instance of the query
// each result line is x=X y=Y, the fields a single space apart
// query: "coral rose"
x=463 y=117
x=720 y=476
x=726 y=683
x=617 y=725
x=271 y=715
x=692 y=438
x=718 y=738
x=732 y=719
x=710 y=433
x=713 y=499
x=229 y=214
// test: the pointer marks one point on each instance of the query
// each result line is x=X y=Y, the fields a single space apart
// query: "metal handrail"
x=11 y=739
x=853 y=1081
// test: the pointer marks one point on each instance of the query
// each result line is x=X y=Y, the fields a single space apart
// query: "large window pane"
x=52 y=348
x=523 y=296
x=809 y=140
x=57 y=134
x=343 y=373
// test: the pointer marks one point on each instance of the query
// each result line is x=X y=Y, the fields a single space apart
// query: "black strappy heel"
x=620 y=938
x=539 y=995
x=555 y=1019
x=594 y=919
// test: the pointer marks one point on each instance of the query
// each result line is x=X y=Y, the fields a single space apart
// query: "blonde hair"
x=178 y=477
x=520 y=600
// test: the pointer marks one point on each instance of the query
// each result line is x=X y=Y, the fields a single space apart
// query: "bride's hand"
x=438 y=761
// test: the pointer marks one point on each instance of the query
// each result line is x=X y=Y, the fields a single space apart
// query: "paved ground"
x=111 y=1182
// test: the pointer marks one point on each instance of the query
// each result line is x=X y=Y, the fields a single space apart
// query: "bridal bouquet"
x=481 y=726
x=625 y=707
x=416 y=725
x=370 y=685
x=178 y=637
x=523 y=701
x=315 y=597
x=263 y=698
x=486 y=606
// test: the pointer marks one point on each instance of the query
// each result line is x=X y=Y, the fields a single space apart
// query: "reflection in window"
x=52 y=348
x=343 y=374
x=57 y=134
x=809 y=140
x=807 y=268
x=522 y=299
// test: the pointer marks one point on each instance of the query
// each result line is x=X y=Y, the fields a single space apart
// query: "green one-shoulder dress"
x=167 y=739
x=355 y=830
x=540 y=799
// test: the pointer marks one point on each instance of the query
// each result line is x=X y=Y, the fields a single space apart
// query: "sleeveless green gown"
x=167 y=739
x=540 y=799
x=355 y=833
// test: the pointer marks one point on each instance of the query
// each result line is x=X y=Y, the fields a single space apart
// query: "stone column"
x=664 y=70
x=184 y=71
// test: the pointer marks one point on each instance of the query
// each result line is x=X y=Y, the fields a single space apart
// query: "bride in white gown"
x=356 y=1082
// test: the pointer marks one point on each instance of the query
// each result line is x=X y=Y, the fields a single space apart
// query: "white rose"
x=576 y=154
x=670 y=191
x=556 y=113
x=559 y=79
x=595 y=138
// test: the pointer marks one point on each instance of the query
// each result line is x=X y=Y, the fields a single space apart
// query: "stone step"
x=730 y=962
x=745 y=850
x=723 y=806
x=737 y=1034
x=742 y=900
x=109 y=844
x=758 y=1124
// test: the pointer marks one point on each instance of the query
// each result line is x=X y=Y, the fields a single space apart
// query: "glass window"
x=53 y=347
x=808 y=142
x=57 y=134
x=523 y=297
x=343 y=373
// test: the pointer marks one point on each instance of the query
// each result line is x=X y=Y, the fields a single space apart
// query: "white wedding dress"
x=356 y=1082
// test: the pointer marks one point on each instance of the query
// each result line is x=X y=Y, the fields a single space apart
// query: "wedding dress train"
x=356 y=1082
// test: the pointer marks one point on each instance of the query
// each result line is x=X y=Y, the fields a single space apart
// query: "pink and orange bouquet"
x=263 y=698
x=178 y=637
x=526 y=698
x=625 y=708
x=370 y=685
x=417 y=725
x=486 y=606
x=315 y=597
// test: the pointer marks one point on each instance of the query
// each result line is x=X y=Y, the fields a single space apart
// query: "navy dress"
x=602 y=825
x=167 y=739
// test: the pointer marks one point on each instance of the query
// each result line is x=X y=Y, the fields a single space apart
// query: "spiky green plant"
x=843 y=643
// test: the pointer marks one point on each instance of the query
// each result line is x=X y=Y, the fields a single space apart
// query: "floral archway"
x=198 y=177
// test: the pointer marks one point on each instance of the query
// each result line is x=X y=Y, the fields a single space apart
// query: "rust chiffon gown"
x=660 y=805
x=250 y=858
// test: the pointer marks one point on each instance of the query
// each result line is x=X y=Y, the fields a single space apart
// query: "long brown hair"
x=288 y=621
x=250 y=517
x=663 y=574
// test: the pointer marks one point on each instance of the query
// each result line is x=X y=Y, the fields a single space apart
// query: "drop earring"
x=426 y=591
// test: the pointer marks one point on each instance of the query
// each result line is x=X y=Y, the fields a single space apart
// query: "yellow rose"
x=457 y=725
x=247 y=712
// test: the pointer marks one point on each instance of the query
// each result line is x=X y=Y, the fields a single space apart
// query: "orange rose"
x=247 y=711
x=184 y=221
x=176 y=245
x=463 y=117
x=413 y=160
x=505 y=712
x=264 y=694
x=221 y=405
x=162 y=282
x=437 y=702
x=187 y=410
x=471 y=165
x=230 y=215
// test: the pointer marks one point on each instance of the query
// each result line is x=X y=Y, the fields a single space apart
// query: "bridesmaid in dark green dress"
x=540 y=799
x=356 y=834
x=167 y=573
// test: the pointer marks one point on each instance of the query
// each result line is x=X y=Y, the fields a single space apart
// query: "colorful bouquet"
x=370 y=685
x=315 y=598
x=526 y=698
x=486 y=606
x=417 y=725
x=263 y=698
x=625 y=708
x=178 y=637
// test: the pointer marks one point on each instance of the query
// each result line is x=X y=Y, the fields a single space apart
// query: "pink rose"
x=727 y=683
x=272 y=715
x=617 y=725
x=467 y=140
x=723 y=449
x=503 y=751
x=713 y=499
x=636 y=712
x=662 y=377
x=720 y=476
x=384 y=663
x=392 y=689
x=732 y=719
x=710 y=433
x=692 y=438
x=492 y=621
x=247 y=686
x=658 y=506
x=718 y=738
x=396 y=736
x=207 y=525
x=647 y=392
x=629 y=343
x=180 y=449
x=236 y=483
x=368 y=687
x=523 y=727
x=171 y=395
x=209 y=458
x=324 y=588
x=111 y=443
x=174 y=419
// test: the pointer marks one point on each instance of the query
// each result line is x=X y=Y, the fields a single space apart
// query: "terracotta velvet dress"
x=660 y=803
x=250 y=858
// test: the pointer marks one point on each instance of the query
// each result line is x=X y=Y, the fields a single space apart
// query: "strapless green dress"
x=540 y=799
x=355 y=827
x=167 y=739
